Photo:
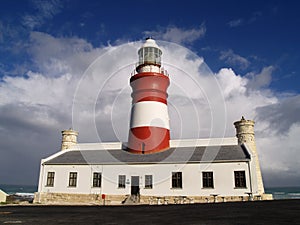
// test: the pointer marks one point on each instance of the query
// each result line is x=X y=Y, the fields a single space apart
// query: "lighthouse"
x=121 y=174
x=149 y=123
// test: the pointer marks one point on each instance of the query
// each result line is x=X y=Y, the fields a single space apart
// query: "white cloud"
x=255 y=16
x=44 y=10
x=234 y=59
x=178 y=35
x=232 y=84
x=239 y=100
x=242 y=21
x=88 y=88
x=47 y=91
x=235 y=23
x=57 y=56
x=261 y=80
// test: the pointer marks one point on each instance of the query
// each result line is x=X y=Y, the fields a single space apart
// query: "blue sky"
x=251 y=47
x=262 y=33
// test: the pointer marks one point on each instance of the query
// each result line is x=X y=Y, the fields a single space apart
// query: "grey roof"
x=173 y=155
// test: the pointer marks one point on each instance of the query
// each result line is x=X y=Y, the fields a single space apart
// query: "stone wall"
x=96 y=199
x=65 y=198
x=69 y=139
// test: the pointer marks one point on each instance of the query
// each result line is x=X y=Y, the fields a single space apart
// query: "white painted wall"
x=3 y=196
x=61 y=179
x=162 y=179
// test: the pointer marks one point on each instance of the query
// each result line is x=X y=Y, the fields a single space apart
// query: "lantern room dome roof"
x=150 y=43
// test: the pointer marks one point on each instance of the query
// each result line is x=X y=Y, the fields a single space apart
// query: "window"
x=97 y=180
x=72 y=179
x=176 y=179
x=240 y=179
x=122 y=179
x=207 y=180
x=50 y=179
x=148 y=181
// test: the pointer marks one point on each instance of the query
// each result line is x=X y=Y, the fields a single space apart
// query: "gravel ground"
x=235 y=213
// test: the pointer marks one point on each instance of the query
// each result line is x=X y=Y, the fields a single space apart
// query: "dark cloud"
x=30 y=118
x=287 y=179
x=280 y=116
x=24 y=141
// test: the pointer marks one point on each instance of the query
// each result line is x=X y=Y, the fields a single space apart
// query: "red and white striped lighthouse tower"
x=149 y=124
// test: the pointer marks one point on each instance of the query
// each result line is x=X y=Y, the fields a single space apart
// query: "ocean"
x=278 y=192
x=284 y=192
x=13 y=189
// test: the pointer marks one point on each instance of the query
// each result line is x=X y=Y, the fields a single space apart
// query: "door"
x=135 y=185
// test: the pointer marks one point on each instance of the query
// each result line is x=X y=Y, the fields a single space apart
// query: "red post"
x=103 y=198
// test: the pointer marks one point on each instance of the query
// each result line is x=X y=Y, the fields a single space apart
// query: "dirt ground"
x=238 y=213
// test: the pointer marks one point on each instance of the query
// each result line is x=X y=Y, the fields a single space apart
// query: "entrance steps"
x=131 y=200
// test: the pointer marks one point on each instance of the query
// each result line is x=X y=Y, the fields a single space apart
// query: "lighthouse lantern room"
x=149 y=57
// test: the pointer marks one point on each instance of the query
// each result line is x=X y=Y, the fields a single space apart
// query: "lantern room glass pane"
x=149 y=55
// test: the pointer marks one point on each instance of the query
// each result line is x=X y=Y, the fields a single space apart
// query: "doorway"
x=135 y=185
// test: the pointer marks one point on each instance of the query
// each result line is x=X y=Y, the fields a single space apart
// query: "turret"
x=69 y=139
x=245 y=134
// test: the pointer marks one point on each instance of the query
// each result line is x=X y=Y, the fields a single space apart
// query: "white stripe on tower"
x=149 y=114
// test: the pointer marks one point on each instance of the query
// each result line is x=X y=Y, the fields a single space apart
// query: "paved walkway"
x=241 y=213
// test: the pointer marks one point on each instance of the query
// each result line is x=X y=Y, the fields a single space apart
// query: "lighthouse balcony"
x=150 y=68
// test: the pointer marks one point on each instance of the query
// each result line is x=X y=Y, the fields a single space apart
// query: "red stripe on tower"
x=149 y=123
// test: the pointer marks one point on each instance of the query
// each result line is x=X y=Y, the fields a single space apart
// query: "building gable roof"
x=173 y=155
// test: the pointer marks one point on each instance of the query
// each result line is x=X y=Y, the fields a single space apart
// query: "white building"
x=151 y=168
x=3 y=196
x=201 y=170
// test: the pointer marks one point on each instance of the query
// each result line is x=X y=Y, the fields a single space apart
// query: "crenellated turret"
x=245 y=134
x=69 y=139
